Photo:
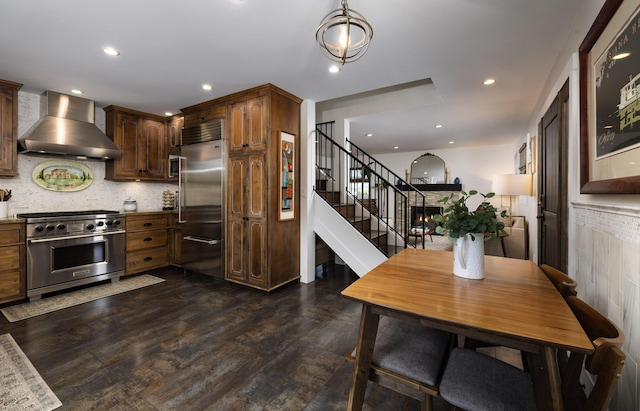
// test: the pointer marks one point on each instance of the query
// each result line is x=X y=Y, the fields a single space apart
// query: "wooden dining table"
x=515 y=305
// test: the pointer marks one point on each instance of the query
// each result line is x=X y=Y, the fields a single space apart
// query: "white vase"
x=468 y=257
x=4 y=209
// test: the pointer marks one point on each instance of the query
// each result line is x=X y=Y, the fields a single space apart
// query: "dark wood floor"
x=195 y=343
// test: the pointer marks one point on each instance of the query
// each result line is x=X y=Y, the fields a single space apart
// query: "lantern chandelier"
x=344 y=34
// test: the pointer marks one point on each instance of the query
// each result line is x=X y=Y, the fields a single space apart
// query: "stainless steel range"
x=70 y=248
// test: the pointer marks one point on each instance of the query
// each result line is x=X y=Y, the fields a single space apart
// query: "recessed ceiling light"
x=621 y=56
x=369 y=135
x=77 y=91
x=111 y=51
x=450 y=142
x=395 y=148
x=334 y=69
x=207 y=87
x=168 y=113
x=489 y=81
x=608 y=127
x=438 y=125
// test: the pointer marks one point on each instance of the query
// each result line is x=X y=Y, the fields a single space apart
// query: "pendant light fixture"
x=344 y=34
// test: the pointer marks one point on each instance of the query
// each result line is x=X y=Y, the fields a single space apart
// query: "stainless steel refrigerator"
x=201 y=209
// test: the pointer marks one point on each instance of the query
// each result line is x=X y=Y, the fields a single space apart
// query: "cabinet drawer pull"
x=147 y=239
x=148 y=224
x=148 y=258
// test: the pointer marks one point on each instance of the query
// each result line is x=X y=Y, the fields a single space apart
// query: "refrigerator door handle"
x=201 y=240
x=182 y=162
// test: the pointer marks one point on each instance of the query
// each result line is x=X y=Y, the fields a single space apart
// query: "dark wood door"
x=552 y=184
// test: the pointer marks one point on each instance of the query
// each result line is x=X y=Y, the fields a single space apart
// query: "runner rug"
x=21 y=387
x=57 y=302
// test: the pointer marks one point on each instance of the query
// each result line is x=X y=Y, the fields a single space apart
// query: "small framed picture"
x=287 y=176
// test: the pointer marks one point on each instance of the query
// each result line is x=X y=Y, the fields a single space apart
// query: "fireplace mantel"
x=431 y=187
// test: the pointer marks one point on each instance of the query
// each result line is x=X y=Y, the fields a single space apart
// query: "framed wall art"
x=610 y=101
x=62 y=175
x=287 y=176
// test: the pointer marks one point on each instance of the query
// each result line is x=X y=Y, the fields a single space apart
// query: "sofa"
x=516 y=243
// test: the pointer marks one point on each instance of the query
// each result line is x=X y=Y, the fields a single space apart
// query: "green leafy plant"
x=457 y=220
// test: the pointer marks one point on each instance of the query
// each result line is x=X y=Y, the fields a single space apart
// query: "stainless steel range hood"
x=67 y=129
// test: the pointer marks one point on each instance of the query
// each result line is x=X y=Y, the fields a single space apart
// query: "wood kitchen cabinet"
x=247 y=223
x=146 y=242
x=143 y=141
x=261 y=251
x=174 y=129
x=13 y=275
x=248 y=126
x=9 y=128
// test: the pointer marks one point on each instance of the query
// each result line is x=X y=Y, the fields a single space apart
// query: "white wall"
x=27 y=196
x=604 y=230
x=475 y=167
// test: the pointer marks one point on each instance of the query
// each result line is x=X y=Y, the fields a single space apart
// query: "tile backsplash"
x=27 y=196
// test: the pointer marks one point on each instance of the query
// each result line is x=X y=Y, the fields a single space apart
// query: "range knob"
x=39 y=228
x=116 y=222
x=109 y=222
x=100 y=223
x=61 y=227
x=50 y=227
x=90 y=227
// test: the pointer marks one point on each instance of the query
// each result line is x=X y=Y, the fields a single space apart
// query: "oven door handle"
x=201 y=240
x=72 y=237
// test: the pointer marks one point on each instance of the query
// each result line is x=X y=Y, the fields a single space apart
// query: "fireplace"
x=418 y=214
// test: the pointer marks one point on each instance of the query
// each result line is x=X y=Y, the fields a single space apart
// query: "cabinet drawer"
x=10 y=257
x=146 y=239
x=146 y=259
x=11 y=234
x=12 y=286
x=146 y=222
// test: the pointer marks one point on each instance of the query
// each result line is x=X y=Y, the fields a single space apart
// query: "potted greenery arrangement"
x=468 y=230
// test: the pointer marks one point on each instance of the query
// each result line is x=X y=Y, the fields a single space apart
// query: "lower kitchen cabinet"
x=146 y=242
x=13 y=276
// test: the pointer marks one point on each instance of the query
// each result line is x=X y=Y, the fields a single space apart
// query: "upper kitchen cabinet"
x=143 y=141
x=174 y=130
x=248 y=125
x=204 y=112
x=9 y=128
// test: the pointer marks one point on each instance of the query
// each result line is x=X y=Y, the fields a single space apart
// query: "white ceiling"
x=169 y=49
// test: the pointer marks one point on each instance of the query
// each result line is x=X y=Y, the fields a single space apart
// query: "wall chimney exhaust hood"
x=67 y=128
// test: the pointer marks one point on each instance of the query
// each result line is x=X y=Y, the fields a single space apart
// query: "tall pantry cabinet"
x=261 y=250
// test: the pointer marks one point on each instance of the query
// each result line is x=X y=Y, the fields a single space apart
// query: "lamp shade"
x=512 y=184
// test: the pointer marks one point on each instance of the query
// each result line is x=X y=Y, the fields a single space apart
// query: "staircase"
x=364 y=193
x=361 y=222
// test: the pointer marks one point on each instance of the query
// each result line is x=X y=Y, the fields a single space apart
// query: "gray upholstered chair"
x=476 y=382
x=409 y=358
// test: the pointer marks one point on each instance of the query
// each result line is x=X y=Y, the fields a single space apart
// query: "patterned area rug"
x=21 y=387
x=57 y=302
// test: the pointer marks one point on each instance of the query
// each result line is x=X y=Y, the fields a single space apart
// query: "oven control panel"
x=68 y=227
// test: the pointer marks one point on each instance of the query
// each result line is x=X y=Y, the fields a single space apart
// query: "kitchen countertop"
x=17 y=220
x=11 y=220
x=150 y=212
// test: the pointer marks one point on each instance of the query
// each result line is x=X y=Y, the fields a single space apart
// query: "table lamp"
x=512 y=185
